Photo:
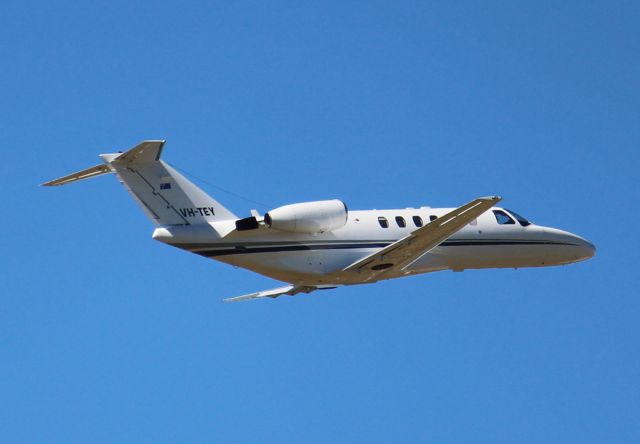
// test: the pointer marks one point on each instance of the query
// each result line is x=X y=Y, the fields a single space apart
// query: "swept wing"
x=397 y=256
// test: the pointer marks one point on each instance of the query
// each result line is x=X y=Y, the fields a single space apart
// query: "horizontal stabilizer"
x=80 y=175
x=147 y=151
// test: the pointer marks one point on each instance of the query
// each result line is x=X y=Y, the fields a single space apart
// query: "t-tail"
x=165 y=195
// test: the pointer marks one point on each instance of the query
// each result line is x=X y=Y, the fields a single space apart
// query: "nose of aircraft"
x=584 y=249
x=568 y=247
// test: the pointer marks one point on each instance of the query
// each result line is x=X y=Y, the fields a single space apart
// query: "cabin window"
x=384 y=223
x=503 y=218
x=417 y=221
x=400 y=221
x=521 y=220
x=432 y=218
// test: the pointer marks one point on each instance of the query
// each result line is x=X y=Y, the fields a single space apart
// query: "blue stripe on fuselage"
x=239 y=249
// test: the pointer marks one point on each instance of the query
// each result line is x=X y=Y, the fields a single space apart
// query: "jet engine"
x=308 y=217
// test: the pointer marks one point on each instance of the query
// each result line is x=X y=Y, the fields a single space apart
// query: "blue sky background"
x=108 y=336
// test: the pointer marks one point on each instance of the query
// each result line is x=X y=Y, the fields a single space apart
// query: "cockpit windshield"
x=521 y=220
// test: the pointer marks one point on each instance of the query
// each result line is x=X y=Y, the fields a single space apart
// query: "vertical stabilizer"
x=166 y=196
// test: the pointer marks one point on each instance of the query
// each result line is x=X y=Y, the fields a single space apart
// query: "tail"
x=165 y=195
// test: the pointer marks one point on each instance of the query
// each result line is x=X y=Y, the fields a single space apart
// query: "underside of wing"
x=397 y=256
x=290 y=290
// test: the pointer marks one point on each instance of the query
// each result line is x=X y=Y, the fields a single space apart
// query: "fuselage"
x=321 y=244
x=496 y=239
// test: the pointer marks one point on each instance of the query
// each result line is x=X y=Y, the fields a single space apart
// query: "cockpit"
x=508 y=217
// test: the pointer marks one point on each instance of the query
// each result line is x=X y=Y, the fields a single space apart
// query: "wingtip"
x=236 y=299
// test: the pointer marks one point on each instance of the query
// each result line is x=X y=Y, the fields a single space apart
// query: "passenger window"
x=384 y=223
x=503 y=218
x=400 y=221
x=432 y=218
x=417 y=220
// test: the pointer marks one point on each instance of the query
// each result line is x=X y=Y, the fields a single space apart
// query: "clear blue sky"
x=108 y=336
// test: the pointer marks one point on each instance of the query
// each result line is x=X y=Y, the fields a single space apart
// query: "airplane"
x=323 y=245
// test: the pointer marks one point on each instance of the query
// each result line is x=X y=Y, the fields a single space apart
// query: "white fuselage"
x=321 y=244
x=302 y=258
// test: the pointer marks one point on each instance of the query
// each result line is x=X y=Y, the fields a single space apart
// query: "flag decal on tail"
x=165 y=186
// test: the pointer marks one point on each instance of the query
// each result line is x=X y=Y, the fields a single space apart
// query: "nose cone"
x=566 y=248
x=584 y=249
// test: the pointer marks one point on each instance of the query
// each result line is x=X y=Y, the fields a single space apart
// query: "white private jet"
x=321 y=245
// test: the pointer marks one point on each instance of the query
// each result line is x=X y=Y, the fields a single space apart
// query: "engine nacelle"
x=308 y=217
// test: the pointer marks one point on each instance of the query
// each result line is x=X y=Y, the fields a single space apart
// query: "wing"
x=290 y=290
x=398 y=255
